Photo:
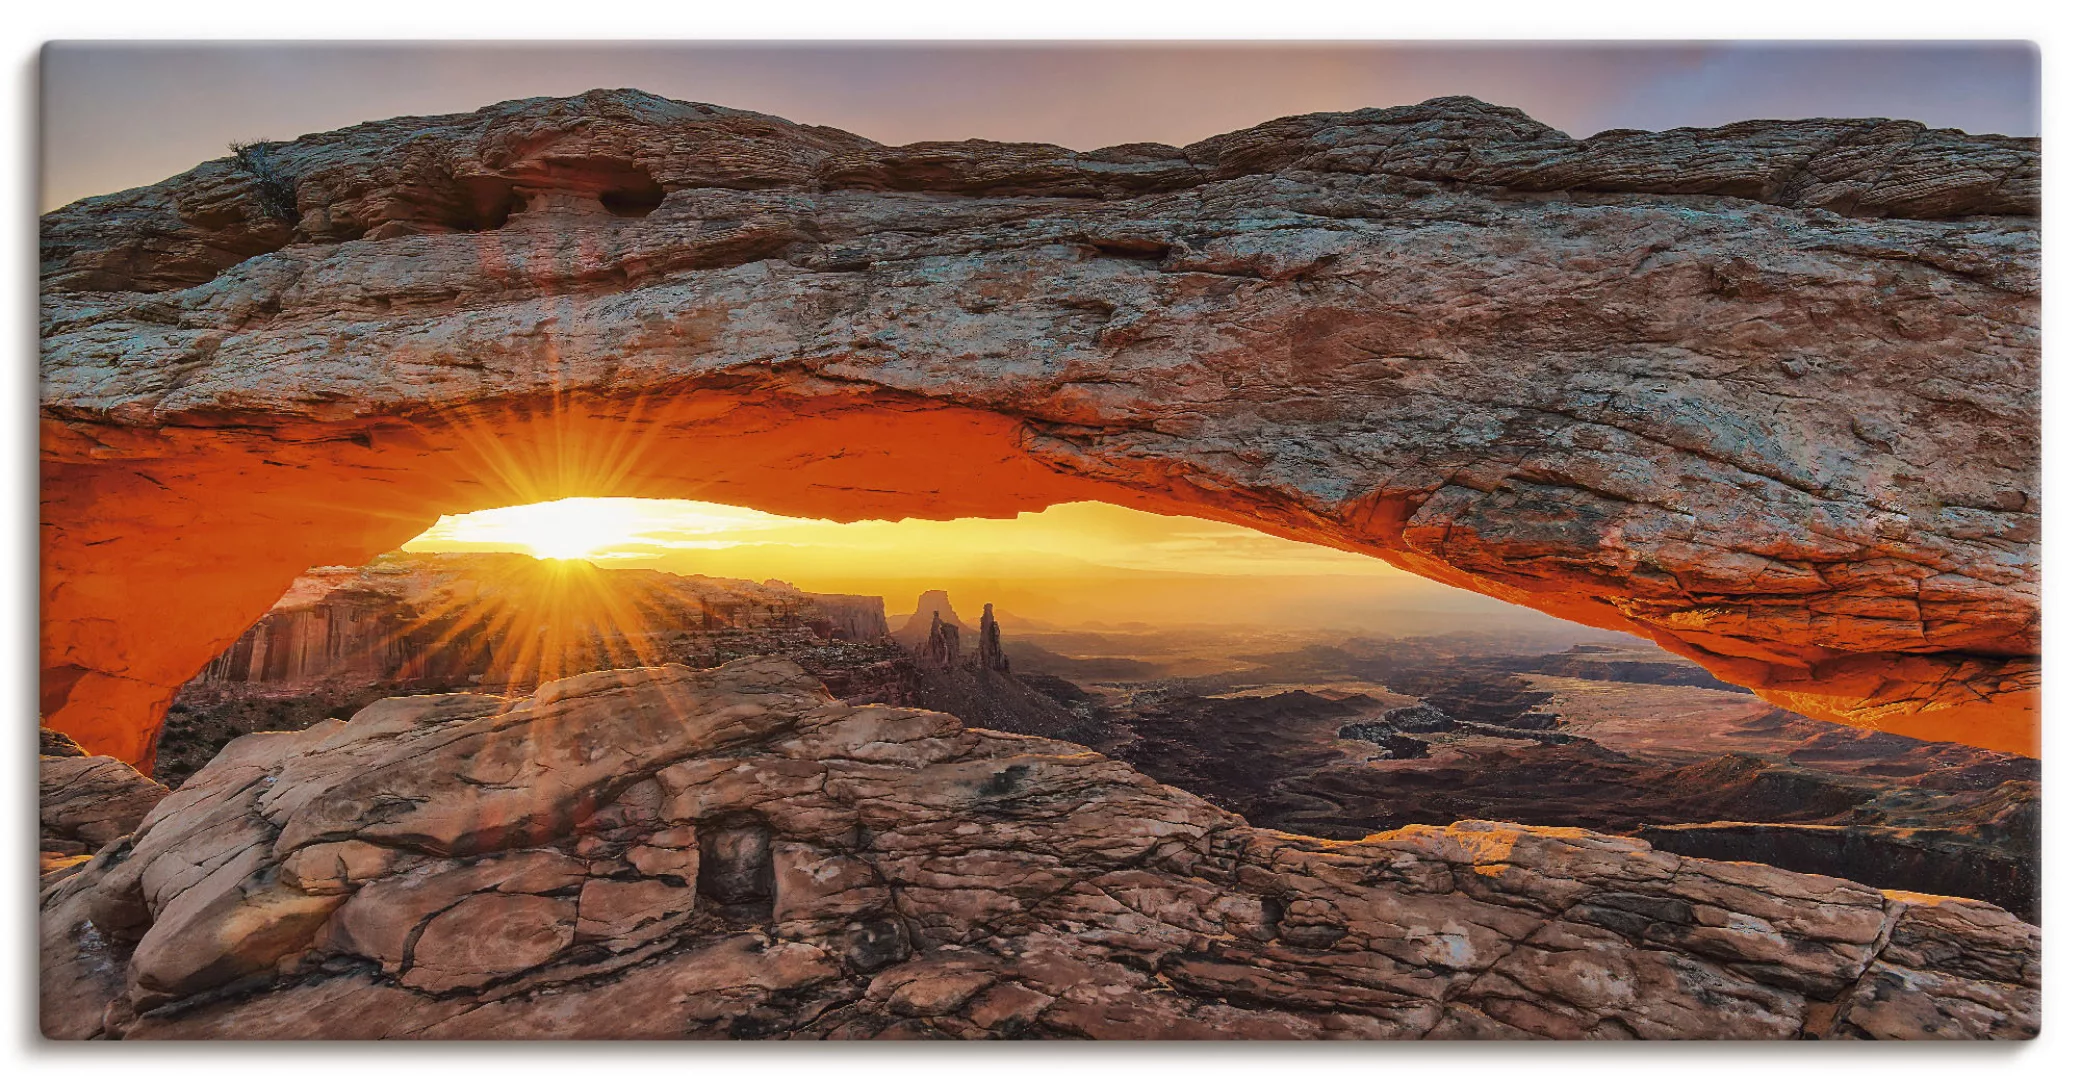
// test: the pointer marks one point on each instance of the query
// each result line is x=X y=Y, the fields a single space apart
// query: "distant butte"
x=1766 y=394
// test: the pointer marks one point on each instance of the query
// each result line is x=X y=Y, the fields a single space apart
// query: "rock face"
x=446 y=618
x=1766 y=394
x=989 y=648
x=667 y=852
x=854 y=618
x=84 y=803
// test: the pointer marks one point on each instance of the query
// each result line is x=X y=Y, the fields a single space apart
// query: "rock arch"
x=1766 y=394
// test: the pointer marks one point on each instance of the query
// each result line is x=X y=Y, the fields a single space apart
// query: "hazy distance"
x=1069 y=565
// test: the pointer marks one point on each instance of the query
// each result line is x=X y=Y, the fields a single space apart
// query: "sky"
x=1068 y=565
x=637 y=532
x=120 y=115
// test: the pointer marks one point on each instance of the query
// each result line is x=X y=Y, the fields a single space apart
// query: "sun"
x=592 y=528
x=564 y=529
x=568 y=534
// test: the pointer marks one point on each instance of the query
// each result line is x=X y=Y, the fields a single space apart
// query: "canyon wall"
x=1766 y=394
x=855 y=618
x=417 y=620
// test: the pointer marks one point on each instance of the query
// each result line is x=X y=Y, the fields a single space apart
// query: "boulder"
x=84 y=803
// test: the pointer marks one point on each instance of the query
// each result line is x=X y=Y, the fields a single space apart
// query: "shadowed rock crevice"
x=737 y=867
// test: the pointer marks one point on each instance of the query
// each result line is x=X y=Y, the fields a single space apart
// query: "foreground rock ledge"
x=1766 y=394
x=665 y=853
x=84 y=803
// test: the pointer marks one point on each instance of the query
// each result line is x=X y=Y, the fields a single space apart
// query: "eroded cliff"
x=497 y=620
x=342 y=637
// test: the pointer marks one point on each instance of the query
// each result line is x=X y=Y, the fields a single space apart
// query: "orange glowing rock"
x=1771 y=403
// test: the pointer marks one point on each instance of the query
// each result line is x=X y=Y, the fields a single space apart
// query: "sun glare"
x=733 y=541
x=585 y=528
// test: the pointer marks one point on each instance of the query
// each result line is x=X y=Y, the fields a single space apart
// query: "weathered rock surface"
x=1766 y=394
x=83 y=803
x=666 y=853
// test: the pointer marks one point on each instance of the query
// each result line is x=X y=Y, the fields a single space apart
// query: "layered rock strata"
x=505 y=619
x=83 y=803
x=342 y=637
x=664 y=852
x=1766 y=393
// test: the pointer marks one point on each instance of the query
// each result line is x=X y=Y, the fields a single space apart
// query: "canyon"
x=1338 y=738
x=1315 y=740
x=1343 y=737
x=1764 y=394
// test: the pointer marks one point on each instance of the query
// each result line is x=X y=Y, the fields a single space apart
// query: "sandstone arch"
x=1766 y=394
